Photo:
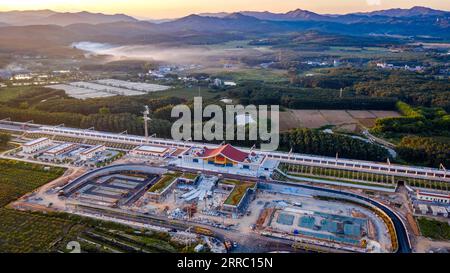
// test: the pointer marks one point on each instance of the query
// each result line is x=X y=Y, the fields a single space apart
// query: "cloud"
x=373 y=2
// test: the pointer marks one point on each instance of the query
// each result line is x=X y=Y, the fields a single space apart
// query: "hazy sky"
x=178 y=8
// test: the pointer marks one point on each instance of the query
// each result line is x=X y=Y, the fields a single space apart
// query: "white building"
x=423 y=209
x=36 y=145
x=61 y=149
x=22 y=77
x=433 y=197
x=151 y=151
x=229 y=83
x=92 y=151
x=218 y=82
x=439 y=211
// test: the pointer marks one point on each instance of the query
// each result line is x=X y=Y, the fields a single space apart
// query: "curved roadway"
x=402 y=235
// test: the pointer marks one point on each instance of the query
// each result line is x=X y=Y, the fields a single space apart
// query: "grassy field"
x=239 y=190
x=252 y=74
x=9 y=93
x=434 y=229
x=162 y=183
x=191 y=176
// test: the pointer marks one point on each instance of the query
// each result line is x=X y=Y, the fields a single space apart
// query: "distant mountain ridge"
x=201 y=29
x=304 y=15
x=49 y=17
x=414 y=11
x=294 y=15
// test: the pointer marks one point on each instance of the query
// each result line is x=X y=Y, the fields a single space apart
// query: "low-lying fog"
x=187 y=55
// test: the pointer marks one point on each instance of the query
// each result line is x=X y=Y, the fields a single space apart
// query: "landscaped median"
x=389 y=186
x=190 y=176
x=163 y=183
x=356 y=177
x=239 y=191
x=337 y=177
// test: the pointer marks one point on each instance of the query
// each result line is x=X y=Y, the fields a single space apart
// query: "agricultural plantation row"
x=351 y=176
x=18 y=178
x=36 y=232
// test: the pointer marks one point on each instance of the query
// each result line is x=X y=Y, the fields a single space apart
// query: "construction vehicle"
x=228 y=245
x=203 y=231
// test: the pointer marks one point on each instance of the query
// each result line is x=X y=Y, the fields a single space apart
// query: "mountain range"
x=304 y=15
x=49 y=28
x=49 y=17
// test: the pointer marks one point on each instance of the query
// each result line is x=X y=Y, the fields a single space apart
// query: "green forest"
x=421 y=132
x=316 y=142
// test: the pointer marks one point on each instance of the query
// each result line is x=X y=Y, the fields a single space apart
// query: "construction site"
x=218 y=189
x=317 y=221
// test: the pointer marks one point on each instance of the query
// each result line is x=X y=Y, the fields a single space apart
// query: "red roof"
x=227 y=151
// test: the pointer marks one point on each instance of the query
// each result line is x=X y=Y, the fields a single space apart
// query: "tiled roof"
x=227 y=151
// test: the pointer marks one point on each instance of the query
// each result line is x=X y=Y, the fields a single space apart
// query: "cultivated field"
x=18 y=178
x=346 y=120
x=22 y=232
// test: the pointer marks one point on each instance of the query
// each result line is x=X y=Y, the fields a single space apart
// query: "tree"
x=104 y=111
x=425 y=151
x=24 y=105
x=163 y=112
x=315 y=142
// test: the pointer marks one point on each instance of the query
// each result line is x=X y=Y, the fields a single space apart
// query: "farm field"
x=249 y=74
x=9 y=93
x=22 y=232
x=25 y=232
x=349 y=120
x=18 y=178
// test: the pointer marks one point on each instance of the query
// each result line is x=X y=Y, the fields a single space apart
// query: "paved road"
x=378 y=140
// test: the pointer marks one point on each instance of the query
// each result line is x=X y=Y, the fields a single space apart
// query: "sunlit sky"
x=178 y=8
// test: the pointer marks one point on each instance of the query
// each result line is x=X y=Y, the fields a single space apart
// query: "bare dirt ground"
x=346 y=120
x=425 y=245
